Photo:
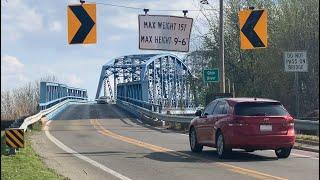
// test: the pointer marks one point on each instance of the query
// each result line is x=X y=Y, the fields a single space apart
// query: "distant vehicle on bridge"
x=103 y=100
x=243 y=123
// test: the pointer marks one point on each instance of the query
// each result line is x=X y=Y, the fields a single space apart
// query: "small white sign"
x=265 y=127
x=296 y=61
x=161 y=32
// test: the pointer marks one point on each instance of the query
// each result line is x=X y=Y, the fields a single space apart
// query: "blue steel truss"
x=52 y=93
x=161 y=79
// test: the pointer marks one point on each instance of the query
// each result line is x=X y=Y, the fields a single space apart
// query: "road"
x=104 y=142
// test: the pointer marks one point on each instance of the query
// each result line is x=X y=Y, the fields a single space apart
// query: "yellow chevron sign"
x=253 y=29
x=14 y=138
x=82 y=28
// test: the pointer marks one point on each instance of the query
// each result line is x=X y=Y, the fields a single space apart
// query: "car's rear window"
x=260 y=109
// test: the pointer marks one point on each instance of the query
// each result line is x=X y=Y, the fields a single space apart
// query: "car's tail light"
x=236 y=122
x=289 y=122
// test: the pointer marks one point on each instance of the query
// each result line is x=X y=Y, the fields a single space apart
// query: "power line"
x=138 y=8
x=119 y=6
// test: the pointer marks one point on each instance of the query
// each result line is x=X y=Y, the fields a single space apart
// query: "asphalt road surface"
x=101 y=141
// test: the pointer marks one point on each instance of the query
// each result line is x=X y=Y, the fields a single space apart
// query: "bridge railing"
x=143 y=104
x=52 y=93
x=35 y=118
x=52 y=97
x=300 y=125
x=49 y=104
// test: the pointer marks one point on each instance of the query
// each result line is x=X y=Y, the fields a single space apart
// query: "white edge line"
x=80 y=156
x=300 y=155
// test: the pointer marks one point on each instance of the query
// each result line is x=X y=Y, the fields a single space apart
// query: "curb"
x=313 y=143
x=306 y=148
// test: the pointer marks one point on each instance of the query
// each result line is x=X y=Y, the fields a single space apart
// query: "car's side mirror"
x=198 y=113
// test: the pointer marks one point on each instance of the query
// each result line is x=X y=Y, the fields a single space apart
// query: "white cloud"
x=12 y=72
x=128 y=19
x=73 y=2
x=10 y=65
x=10 y=34
x=73 y=80
x=123 y=20
x=17 y=18
x=21 y=18
x=114 y=38
x=88 y=45
x=56 y=26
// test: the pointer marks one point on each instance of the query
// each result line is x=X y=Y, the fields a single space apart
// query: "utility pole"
x=221 y=49
x=229 y=84
x=233 y=92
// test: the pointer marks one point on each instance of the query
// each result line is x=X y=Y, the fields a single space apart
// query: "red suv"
x=243 y=123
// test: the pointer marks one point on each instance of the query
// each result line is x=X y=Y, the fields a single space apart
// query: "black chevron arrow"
x=248 y=28
x=86 y=24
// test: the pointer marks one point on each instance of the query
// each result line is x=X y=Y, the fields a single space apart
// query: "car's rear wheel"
x=283 y=152
x=194 y=145
x=222 y=150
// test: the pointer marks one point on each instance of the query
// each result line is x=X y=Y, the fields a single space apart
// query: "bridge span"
x=159 y=79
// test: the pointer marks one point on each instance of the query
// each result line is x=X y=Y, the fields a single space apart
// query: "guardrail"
x=16 y=132
x=300 y=125
x=32 y=119
x=307 y=125
x=309 y=118
x=139 y=110
x=146 y=105
x=49 y=104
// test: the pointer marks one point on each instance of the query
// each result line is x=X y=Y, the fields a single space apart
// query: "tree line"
x=293 y=25
x=23 y=101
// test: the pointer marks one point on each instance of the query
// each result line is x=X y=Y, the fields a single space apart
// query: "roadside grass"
x=307 y=137
x=26 y=164
x=36 y=126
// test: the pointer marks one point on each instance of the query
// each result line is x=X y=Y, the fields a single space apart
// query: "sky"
x=34 y=39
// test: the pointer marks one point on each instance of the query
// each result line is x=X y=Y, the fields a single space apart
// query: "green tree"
x=292 y=25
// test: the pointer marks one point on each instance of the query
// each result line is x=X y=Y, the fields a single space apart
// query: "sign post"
x=160 y=32
x=296 y=62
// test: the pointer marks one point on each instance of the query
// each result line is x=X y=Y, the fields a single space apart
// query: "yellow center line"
x=152 y=147
x=252 y=173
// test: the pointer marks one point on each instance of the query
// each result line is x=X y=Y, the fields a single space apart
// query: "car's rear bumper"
x=260 y=142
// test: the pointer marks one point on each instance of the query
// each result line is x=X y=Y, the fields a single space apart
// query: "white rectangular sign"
x=296 y=61
x=160 y=32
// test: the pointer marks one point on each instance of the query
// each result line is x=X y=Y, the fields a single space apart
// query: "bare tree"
x=22 y=101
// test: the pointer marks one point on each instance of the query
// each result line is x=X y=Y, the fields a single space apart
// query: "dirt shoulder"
x=62 y=162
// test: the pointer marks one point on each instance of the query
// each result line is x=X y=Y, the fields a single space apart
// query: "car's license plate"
x=264 y=127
